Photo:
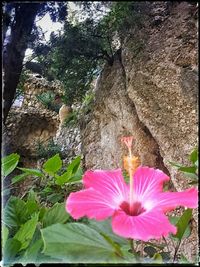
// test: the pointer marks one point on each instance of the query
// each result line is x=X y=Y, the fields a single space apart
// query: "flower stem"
x=166 y=244
x=176 y=250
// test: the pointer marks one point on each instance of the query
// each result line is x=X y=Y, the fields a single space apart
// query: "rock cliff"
x=149 y=92
x=32 y=122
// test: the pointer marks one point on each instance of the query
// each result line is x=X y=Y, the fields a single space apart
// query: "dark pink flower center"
x=135 y=210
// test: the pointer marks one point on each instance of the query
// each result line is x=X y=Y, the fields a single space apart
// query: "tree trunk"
x=13 y=57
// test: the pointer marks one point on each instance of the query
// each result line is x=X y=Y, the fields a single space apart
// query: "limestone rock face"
x=28 y=127
x=162 y=84
x=150 y=92
x=64 y=112
x=36 y=85
x=32 y=122
x=69 y=139
x=114 y=116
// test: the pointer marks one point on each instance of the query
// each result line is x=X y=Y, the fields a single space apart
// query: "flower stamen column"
x=130 y=164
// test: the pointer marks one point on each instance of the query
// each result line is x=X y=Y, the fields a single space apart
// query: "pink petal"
x=89 y=203
x=169 y=200
x=110 y=184
x=148 y=225
x=148 y=181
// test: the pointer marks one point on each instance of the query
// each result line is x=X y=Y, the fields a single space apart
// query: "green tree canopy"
x=88 y=40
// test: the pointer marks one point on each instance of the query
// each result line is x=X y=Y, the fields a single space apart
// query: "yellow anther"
x=131 y=164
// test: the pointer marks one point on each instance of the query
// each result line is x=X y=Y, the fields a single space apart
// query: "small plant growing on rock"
x=72 y=119
x=47 y=150
x=48 y=100
x=190 y=172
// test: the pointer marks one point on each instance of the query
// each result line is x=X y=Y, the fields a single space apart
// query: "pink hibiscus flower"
x=138 y=209
x=106 y=194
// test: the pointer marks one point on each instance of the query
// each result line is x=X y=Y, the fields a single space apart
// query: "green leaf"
x=26 y=232
x=115 y=246
x=74 y=165
x=15 y=212
x=34 y=172
x=31 y=253
x=192 y=176
x=182 y=168
x=188 y=169
x=11 y=249
x=32 y=195
x=47 y=190
x=73 y=172
x=77 y=177
x=174 y=220
x=105 y=227
x=53 y=198
x=32 y=206
x=157 y=258
x=9 y=163
x=183 y=259
x=62 y=179
x=175 y=164
x=128 y=256
x=194 y=156
x=56 y=214
x=53 y=164
x=42 y=213
x=196 y=163
x=19 y=178
x=5 y=233
x=75 y=243
x=183 y=223
x=68 y=177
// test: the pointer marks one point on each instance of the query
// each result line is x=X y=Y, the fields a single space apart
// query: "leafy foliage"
x=182 y=224
x=56 y=214
x=52 y=165
x=9 y=163
x=23 y=243
x=47 y=99
x=52 y=177
x=87 y=102
x=33 y=231
x=47 y=150
x=190 y=172
x=75 y=243
x=75 y=56
x=183 y=229
x=72 y=119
